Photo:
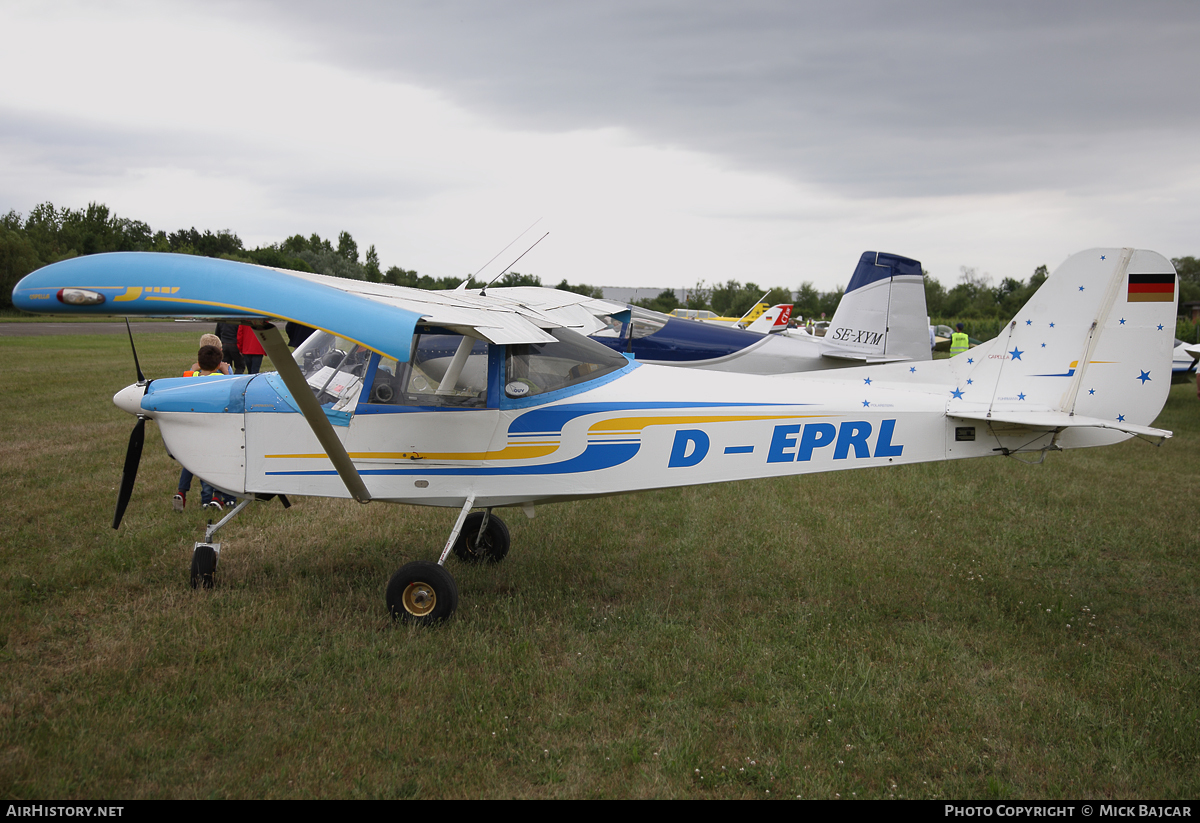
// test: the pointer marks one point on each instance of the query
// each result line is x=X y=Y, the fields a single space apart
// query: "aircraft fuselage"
x=648 y=427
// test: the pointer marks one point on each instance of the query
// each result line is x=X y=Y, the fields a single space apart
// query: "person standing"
x=252 y=351
x=228 y=332
x=297 y=333
x=959 y=342
x=208 y=364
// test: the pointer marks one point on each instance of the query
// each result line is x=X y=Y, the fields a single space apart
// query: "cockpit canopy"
x=450 y=370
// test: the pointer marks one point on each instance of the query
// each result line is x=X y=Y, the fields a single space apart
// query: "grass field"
x=979 y=629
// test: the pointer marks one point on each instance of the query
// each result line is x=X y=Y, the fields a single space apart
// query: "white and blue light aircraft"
x=881 y=318
x=479 y=400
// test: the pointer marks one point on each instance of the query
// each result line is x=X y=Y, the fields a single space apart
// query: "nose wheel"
x=204 y=563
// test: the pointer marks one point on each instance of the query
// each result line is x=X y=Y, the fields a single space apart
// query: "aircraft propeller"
x=133 y=454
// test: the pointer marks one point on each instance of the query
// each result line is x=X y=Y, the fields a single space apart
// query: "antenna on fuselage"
x=464 y=283
x=483 y=291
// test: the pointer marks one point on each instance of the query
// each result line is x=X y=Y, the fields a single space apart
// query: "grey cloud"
x=86 y=150
x=91 y=149
x=873 y=98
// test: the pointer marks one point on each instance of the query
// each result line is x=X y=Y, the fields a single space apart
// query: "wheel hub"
x=419 y=599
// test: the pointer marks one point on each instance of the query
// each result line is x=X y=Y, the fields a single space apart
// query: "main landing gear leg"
x=206 y=554
x=422 y=592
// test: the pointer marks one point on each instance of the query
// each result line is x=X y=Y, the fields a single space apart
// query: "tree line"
x=48 y=234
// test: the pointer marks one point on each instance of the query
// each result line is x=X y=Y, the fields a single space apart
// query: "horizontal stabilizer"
x=1057 y=420
x=870 y=360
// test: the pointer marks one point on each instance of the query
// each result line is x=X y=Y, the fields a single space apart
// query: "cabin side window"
x=445 y=370
x=645 y=325
x=334 y=368
x=536 y=368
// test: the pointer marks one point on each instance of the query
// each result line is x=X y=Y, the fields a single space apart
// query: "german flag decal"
x=1151 y=288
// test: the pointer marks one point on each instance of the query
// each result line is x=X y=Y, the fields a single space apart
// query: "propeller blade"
x=133 y=456
x=137 y=366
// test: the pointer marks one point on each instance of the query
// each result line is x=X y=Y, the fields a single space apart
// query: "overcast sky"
x=660 y=144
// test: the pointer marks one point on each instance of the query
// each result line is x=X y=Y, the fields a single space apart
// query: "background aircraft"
x=772 y=319
x=1184 y=361
x=881 y=318
x=761 y=317
x=482 y=400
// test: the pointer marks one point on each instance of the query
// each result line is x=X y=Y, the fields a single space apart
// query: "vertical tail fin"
x=882 y=315
x=774 y=319
x=1094 y=342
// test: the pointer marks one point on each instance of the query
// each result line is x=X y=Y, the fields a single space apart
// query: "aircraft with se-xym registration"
x=498 y=398
x=881 y=318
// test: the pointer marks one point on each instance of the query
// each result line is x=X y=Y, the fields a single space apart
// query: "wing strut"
x=293 y=378
x=450 y=380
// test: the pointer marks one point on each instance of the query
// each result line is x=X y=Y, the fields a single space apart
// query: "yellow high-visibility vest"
x=959 y=343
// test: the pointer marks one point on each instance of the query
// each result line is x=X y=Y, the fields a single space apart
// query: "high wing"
x=378 y=316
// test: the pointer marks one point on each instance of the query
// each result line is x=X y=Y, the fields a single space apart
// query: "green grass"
x=980 y=629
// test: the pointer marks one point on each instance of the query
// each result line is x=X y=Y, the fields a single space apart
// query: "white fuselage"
x=650 y=427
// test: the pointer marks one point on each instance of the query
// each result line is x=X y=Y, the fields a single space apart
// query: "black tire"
x=423 y=593
x=204 y=563
x=491 y=549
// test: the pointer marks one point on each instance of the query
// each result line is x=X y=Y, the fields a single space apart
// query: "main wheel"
x=423 y=593
x=204 y=563
x=491 y=548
